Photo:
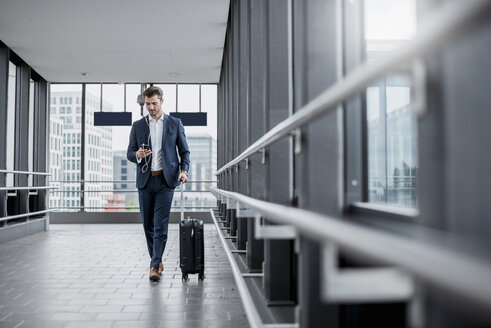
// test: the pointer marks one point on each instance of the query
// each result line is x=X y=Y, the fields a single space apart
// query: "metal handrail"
x=27 y=188
x=249 y=307
x=24 y=172
x=123 y=207
x=403 y=211
x=114 y=190
x=122 y=181
x=18 y=216
x=85 y=191
x=431 y=261
x=449 y=18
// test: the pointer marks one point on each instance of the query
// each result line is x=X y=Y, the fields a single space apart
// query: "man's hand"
x=143 y=152
x=183 y=177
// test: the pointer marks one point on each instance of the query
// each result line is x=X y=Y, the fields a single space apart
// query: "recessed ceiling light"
x=84 y=74
x=174 y=74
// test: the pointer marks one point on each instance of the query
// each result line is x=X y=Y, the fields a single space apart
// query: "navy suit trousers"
x=155 y=203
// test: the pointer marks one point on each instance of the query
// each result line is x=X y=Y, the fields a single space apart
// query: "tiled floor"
x=97 y=276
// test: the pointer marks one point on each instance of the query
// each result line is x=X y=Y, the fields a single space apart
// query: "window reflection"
x=12 y=83
x=392 y=134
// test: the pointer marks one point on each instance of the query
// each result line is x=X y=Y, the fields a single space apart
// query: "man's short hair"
x=152 y=91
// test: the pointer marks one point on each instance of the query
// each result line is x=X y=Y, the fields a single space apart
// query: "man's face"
x=154 y=105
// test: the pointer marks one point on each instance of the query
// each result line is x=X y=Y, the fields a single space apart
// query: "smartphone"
x=145 y=146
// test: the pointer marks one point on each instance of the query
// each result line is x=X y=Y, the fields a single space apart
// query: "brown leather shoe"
x=154 y=274
x=161 y=268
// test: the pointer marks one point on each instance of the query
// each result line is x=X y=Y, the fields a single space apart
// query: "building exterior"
x=56 y=157
x=202 y=168
x=203 y=159
x=124 y=170
x=203 y=150
x=65 y=108
x=392 y=166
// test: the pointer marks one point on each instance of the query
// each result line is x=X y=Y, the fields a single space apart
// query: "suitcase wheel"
x=201 y=276
x=185 y=277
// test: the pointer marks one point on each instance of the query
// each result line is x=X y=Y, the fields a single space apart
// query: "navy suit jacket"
x=172 y=136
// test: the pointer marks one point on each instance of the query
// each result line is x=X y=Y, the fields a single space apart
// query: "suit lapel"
x=164 y=129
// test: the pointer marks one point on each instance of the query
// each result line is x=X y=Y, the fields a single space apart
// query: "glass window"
x=106 y=146
x=64 y=142
x=132 y=106
x=99 y=155
x=188 y=98
x=202 y=141
x=31 y=132
x=392 y=135
x=113 y=97
x=209 y=106
x=11 y=121
x=169 y=90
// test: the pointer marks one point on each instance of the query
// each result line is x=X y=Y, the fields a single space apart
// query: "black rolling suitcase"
x=191 y=246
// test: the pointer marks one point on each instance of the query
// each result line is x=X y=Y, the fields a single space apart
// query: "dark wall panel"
x=318 y=173
x=4 y=74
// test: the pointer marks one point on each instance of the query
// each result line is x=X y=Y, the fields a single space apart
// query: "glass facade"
x=106 y=167
x=65 y=146
x=98 y=146
x=30 y=165
x=11 y=121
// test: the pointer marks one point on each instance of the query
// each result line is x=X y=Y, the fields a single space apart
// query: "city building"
x=65 y=109
x=56 y=158
x=124 y=170
x=202 y=170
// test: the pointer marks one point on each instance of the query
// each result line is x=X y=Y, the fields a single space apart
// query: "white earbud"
x=147 y=162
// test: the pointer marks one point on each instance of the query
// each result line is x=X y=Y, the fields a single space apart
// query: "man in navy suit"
x=158 y=171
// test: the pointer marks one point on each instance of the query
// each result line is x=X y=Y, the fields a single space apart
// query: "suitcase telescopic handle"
x=182 y=207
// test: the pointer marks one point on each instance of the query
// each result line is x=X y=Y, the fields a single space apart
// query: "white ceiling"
x=117 y=40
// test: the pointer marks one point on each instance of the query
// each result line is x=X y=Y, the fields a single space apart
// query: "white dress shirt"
x=156 y=130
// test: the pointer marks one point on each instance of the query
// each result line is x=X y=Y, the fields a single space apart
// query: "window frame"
x=83 y=147
x=356 y=197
